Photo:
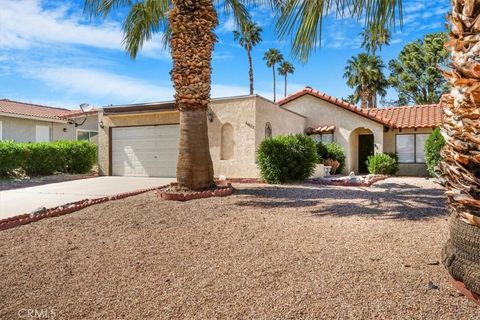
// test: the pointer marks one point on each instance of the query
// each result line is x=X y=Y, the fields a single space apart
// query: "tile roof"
x=421 y=116
x=320 y=129
x=36 y=110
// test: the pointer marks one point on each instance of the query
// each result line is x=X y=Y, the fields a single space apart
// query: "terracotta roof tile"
x=36 y=110
x=321 y=129
x=421 y=116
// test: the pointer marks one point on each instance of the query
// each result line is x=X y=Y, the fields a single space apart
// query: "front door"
x=365 y=150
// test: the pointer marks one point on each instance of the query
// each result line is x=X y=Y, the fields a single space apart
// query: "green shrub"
x=47 y=158
x=382 y=163
x=12 y=157
x=331 y=151
x=433 y=147
x=283 y=158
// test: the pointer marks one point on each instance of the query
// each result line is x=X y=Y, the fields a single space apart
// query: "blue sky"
x=50 y=53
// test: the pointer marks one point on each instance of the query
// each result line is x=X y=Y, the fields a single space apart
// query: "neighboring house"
x=142 y=139
x=26 y=122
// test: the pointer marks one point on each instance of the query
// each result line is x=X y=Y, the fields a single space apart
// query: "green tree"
x=433 y=148
x=272 y=57
x=374 y=36
x=364 y=74
x=415 y=74
x=284 y=69
x=248 y=36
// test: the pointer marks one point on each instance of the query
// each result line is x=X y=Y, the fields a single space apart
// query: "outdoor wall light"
x=64 y=129
x=100 y=124
x=210 y=115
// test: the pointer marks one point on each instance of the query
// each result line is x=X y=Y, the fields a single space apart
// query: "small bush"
x=382 y=163
x=283 y=158
x=433 y=147
x=46 y=158
x=331 y=151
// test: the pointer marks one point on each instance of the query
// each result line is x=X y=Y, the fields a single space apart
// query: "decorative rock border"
x=460 y=286
x=242 y=180
x=61 y=210
x=347 y=183
x=224 y=188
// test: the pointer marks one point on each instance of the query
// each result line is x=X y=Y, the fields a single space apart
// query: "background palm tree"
x=364 y=74
x=374 y=36
x=272 y=57
x=248 y=36
x=284 y=69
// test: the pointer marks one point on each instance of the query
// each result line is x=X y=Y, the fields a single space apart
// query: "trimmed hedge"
x=433 y=148
x=283 y=158
x=46 y=158
x=382 y=163
x=331 y=151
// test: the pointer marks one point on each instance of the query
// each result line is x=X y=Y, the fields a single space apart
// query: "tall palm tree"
x=461 y=156
x=284 y=69
x=364 y=73
x=375 y=36
x=189 y=28
x=248 y=37
x=272 y=57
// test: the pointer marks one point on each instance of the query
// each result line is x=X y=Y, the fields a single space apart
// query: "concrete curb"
x=346 y=183
x=61 y=210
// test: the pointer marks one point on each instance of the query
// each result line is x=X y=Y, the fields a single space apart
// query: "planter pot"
x=319 y=171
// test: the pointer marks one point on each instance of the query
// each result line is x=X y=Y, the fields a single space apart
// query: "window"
x=325 y=138
x=86 y=135
x=268 y=130
x=1 y=131
x=42 y=134
x=227 y=143
x=410 y=148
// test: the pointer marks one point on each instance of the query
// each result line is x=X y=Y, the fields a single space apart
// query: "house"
x=142 y=139
x=26 y=122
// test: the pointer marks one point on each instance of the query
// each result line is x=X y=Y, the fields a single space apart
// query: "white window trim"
x=414 y=147
x=1 y=130
x=84 y=130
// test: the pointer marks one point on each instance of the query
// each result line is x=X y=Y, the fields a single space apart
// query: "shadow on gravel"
x=385 y=201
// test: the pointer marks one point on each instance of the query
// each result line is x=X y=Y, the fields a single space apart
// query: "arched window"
x=227 y=142
x=268 y=130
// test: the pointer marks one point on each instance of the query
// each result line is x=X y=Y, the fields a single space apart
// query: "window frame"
x=414 y=146
x=1 y=131
x=320 y=135
x=84 y=130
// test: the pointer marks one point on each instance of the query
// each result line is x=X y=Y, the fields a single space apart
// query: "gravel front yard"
x=268 y=252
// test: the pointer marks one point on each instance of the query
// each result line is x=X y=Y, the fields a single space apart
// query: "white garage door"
x=145 y=151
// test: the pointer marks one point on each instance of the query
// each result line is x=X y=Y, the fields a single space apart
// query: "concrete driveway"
x=26 y=200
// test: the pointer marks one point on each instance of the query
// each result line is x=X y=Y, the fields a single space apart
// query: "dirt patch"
x=267 y=252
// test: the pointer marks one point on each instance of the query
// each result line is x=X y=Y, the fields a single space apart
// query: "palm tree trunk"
x=285 y=85
x=274 y=85
x=364 y=99
x=460 y=167
x=192 y=41
x=250 y=70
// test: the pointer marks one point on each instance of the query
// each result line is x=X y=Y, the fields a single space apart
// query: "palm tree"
x=272 y=57
x=284 y=69
x=375 y=36
x=364 y=73
x=248 y=37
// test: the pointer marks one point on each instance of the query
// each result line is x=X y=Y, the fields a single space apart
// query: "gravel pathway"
x=268 y=252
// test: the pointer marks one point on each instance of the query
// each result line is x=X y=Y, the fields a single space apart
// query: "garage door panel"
x=145 y=151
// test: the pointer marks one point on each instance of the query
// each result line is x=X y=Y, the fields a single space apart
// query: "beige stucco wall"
x=407 y=169
x=23 y=130
x=348 y=125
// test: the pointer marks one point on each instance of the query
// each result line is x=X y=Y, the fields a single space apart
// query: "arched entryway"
x=362 y=145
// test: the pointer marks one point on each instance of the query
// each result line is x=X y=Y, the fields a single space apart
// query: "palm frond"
x=102 y=8
x=303 y=19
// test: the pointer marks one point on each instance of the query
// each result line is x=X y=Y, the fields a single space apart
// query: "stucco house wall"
x=23 y=129
x=246 y=115
x=348 y=125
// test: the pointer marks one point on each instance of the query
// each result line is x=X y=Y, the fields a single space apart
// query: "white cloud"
x=26 y=24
